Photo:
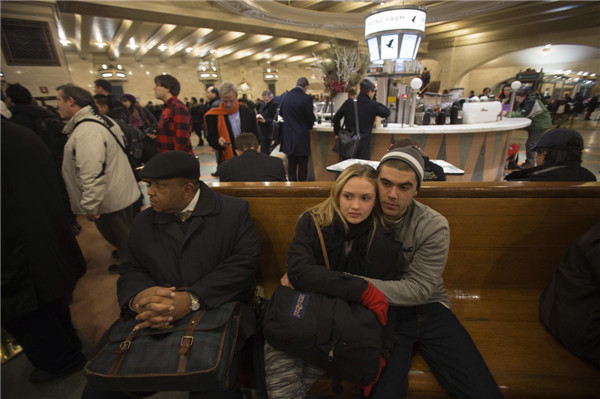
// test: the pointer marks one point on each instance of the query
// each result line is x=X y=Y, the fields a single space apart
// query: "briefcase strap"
x=121 y=352
x=187 y=341
x=323 y=249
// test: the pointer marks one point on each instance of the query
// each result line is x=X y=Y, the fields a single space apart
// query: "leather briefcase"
x=194 y=354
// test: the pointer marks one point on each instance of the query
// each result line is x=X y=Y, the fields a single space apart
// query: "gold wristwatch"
x=194 y=304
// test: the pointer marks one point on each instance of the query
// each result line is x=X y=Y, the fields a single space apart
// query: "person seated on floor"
x=193 y=249
x=433 y=172
x=559 y=153
x=251 y=164
x=570 y=304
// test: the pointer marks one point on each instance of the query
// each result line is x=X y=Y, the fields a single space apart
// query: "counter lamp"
x=514 y=86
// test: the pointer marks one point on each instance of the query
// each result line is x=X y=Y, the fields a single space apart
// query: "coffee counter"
x=479 y=149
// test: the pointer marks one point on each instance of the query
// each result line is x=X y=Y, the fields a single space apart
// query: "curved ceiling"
x=288 y=32
x=545 y=56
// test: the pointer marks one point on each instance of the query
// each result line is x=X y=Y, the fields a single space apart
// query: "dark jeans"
x=446 y=347
x=47 y=336
x=297 y=167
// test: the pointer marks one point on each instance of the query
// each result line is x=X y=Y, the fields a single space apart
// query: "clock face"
x=389 y=46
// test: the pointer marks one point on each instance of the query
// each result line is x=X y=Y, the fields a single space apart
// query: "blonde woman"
x=357 y=244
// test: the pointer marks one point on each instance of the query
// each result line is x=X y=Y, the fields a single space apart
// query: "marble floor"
x=94 y=300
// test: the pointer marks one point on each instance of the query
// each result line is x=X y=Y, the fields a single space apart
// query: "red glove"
x=368 y=388
x=373 y=299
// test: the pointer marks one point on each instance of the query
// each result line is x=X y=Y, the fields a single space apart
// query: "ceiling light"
x=65 y=42
x=188 y=50
x=100 y=44
x=162 y=47
x=132 y=44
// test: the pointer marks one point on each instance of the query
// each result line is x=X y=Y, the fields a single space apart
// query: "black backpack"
x=50 y=131
x=132 y=161
x=134 y=140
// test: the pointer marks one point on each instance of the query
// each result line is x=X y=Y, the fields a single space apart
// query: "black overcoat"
x=298 y=119
x=216 y=258
x=41 y=259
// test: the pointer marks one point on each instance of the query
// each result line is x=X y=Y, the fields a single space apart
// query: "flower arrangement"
x=342 y=68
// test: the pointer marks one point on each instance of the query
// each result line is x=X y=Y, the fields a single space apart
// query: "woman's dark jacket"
x=368 y=109
x=306 y=265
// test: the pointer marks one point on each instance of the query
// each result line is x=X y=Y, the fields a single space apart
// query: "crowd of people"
x=387 y=250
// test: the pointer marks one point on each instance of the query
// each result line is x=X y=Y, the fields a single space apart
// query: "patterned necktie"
x=183 y=215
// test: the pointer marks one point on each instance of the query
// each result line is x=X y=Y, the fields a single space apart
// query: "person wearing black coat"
x=193 y=249
x=228 y=109
x=570 y=304
x=559 y=153
x=298 y=119
x=265 y=116
x=41 y=259
x=368 y=109
x=251 y=165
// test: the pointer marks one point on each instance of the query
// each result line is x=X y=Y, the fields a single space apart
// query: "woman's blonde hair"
x=325 y=211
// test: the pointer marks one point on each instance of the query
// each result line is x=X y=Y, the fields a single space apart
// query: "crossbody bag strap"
x=108 y=128
x=356 y=117
x=322 y=241
x=187 y=341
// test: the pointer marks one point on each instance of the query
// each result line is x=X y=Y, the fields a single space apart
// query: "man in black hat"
x=368 y=109
x=558 y=156
x=193 y=249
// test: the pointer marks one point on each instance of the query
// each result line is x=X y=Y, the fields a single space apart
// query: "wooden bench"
x=507 y=240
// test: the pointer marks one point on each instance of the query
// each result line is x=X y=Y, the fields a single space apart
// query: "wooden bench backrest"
x=501 y=234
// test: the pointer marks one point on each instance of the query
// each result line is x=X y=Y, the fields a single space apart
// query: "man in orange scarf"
x=227 y=121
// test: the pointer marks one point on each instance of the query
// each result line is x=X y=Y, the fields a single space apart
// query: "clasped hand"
x=157 y=307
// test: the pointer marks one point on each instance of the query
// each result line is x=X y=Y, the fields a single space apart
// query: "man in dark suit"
x=298 y=119
x=265 y=117
x=227 y=121
x=251 y=164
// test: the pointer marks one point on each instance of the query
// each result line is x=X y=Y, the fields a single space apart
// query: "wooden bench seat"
x=506 y=241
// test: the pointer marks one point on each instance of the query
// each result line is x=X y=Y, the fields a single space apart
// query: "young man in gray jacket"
x=422 y=307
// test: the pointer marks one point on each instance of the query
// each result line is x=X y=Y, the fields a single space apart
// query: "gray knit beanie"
x=410 y=155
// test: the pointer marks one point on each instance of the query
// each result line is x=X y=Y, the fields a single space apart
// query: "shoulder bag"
x=343 y=337
x=194 y=354
x=348 y=140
